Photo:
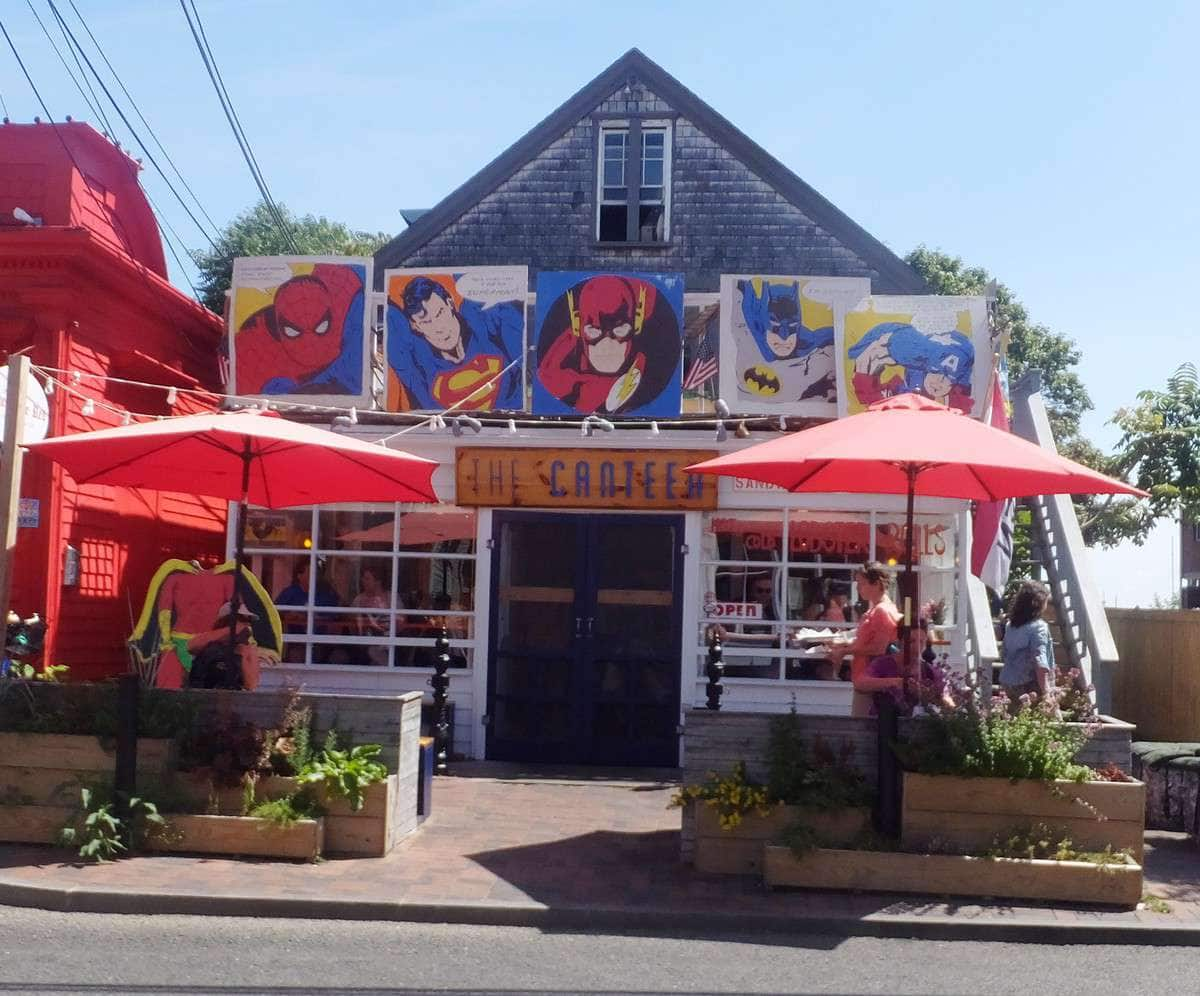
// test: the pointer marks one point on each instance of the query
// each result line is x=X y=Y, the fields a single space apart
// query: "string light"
x=88 y=409
x=172 y=396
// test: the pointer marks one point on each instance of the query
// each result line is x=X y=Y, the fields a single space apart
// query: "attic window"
x=633 y=176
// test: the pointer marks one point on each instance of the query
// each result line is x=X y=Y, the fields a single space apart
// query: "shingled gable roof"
x=634 y=65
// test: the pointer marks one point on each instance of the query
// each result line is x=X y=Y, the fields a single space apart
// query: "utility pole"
x=10 y=471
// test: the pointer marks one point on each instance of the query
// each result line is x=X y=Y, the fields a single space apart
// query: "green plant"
x=1039 y=842
x=814 y=777
x=732 y=796
x=1155 y=904
x=285 y=811
x=800 y=838
x=100 y=835
x=991 y=740
x=345 y=773
x=30 y=672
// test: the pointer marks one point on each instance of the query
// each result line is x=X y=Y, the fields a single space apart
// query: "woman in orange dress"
x=877 y=629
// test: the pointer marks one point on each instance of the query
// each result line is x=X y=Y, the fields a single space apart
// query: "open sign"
x=734 y=610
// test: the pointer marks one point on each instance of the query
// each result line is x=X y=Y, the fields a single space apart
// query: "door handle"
x=590 y=620
x=579 y=627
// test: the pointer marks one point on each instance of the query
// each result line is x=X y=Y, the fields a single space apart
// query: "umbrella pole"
x=239 y=557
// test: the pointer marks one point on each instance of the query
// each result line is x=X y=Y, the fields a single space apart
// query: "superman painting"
x=456 y=339
x=299 y=326
x=609 y=344
x=777 y=337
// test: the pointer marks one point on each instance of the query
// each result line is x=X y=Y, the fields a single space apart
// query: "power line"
x=164 y=227
x=92 y=102
x=3 y=105
x=112 y=216
x=214 y=75
x=142 y=118
x=133 y=131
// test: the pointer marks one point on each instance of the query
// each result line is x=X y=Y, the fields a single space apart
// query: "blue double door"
x=584 y=655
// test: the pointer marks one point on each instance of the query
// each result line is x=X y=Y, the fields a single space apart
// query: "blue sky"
x=1054 y=143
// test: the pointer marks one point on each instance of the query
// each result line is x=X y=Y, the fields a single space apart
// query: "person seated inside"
x=374 y=593
x=837 y=603
x=212 y=666
x=762 y=591
x=297 y=622
x=814 y=600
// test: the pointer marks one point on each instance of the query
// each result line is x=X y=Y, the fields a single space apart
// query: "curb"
x=74 y=899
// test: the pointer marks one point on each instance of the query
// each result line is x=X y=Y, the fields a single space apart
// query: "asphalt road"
x=51 y=953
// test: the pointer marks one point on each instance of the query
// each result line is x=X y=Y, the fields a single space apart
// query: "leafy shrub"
x=100 y=833
x=345 y=773
x=816 y=777
x=286 y=811
x=1041 y=843
x=732 y=796
x=991 y=741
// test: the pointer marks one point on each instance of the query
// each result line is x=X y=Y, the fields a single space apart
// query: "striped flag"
x=992 y=529
x=704 y=364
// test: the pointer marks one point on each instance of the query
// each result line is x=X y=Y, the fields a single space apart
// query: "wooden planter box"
x=739 y=851
x=243 y=835
x=72 y=754
x=950 y=813
x=34 y=824
x=953 y=875
x=371 y=832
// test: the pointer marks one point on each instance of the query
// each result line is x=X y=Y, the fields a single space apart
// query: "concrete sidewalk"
x=525 y=849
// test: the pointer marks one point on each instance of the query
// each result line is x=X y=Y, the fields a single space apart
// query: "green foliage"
x=255 y=233
x=800 y=838
x=1160 y=444
x=732 y=796
x=100 y=833
x=1105 y=520
x=1039 y=842
x=1155 y=904
x=991 y=742
x=345 y=773
x=815 y=777
x=285 y=811
x=30 y=672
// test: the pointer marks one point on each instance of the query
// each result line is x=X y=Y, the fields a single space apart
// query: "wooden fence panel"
x=1157 y=684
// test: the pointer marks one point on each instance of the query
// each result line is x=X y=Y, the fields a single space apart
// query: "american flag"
x=223 y=366
x=704 y=365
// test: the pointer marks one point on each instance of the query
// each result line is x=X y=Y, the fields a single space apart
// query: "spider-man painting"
x=304 y=335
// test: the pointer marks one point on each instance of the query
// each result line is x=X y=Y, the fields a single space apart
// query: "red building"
x=83 y=286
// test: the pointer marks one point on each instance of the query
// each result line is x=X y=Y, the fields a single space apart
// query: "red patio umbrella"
x=243 y=457
x=910 y=445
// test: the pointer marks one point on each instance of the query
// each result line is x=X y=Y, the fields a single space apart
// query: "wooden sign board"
x=510 y=477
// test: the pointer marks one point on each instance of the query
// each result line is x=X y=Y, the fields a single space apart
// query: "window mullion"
x=633 y=180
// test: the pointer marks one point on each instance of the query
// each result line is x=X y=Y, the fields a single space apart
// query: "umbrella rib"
x=125 y=463
x=982 y=483
x=430 y=495
x=810 y=475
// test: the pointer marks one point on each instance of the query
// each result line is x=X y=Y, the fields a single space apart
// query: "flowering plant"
x=732 y=796
x=989 y=739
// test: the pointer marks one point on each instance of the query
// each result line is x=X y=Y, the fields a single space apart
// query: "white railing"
x=1084 y=624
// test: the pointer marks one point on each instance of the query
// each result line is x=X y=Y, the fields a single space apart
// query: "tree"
x=256 y=233
x=1160 y=444
x=1105 y=520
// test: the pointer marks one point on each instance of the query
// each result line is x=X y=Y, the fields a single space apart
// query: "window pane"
x=651 y=223
x=614 y=142
x=435 y=584
x=286 y=528
x=614 y=175
x=437 y=529
x=650 y=195
x=821 y=598
x=828 y=537
x=653 y=143
x=652 y=172
x=356 y=529
x=613 y=222
x=933 y=542
x=618 y=194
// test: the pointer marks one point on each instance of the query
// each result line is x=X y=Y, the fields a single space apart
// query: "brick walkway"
x=607 y=842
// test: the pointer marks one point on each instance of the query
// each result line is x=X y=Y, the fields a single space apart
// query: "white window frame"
x=634 y=171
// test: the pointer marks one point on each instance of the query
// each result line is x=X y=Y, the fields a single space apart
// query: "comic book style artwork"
x=299 y=327
x=937 y=346
x=777 y=341
x=608 y=344
x=456 y=338
x=183 y=602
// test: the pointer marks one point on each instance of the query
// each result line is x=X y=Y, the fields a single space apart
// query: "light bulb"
x=89 y=408
x=172 y=396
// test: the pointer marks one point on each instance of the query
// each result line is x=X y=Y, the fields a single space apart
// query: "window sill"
x=597 y=244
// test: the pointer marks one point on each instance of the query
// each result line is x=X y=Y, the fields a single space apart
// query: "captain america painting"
x=456 y=339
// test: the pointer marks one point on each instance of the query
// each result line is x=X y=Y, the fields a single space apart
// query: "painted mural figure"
x=609 y=344
x=788 y=351
x=937 y=365
x=184 y=602
x=448 y=351
x=308 y=340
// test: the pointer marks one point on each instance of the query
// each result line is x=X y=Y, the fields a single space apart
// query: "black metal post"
x=441 y=684
x=125 y=775
x=715 y=670
x=239 y=556
x=887 y=812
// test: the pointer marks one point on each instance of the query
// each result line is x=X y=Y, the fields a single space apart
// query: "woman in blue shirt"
x=1028 y=648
